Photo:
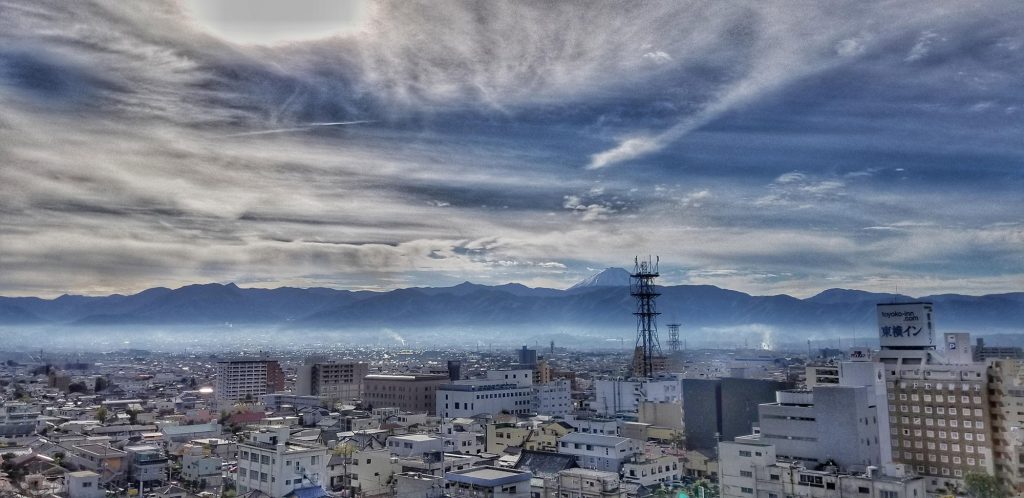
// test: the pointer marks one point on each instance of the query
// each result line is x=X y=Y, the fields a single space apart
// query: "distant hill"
x=600 y=302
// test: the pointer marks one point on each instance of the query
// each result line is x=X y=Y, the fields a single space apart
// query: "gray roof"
x=543 y=463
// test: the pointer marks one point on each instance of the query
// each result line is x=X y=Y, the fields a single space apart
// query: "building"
x=659 y=363
x=653 y=471
x=330 y=380
x=937 y=398
x=599 y=452
x=271 y=462
x=586 y=483
x=83 y=484
x=414 y=393
x=147 y=464
x=830 y=423
x=750 y=469
x=365 y=472
x=277 y=401
x=983 y=352
x=202 y=466
x=1006 y=394
x=722 y=409
x=554 y=398
x=621 y=396
x=247 y=379
x=527 y=357
x=488 y=482
x=817 y=375
x=108 y=462
x=474 y=397
x=414 y=445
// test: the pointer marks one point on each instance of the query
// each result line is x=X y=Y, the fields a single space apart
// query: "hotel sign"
x=905 y=325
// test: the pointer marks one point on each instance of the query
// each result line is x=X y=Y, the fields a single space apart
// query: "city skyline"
x=762 y=148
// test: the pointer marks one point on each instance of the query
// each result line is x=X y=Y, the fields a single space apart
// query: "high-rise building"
x=1006 y=394
x=414 y=393
x=331 y=380
x=247 y=379
x=936 y=396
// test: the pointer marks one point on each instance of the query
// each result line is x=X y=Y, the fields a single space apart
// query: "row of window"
x=938 y=398
x=917 y=421
x=951 y=386
x=941 y=458
x=939 y=410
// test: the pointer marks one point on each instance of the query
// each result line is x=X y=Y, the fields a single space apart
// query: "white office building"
x=474 y=397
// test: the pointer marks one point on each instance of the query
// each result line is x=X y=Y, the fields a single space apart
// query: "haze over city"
x=762 y=147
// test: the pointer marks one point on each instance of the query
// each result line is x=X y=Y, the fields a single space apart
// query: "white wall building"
x=748 y=469
x=614 y=396
x=269 y=461
x=554 y=398
x=414 y=445
x=599 y=452
x=474 y=397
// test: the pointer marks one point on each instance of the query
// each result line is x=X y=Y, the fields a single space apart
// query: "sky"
x=766 y=147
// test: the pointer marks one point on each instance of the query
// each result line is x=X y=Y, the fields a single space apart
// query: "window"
x=744 y=453
x=746 y=473
x=888 y=494
x=748 y=491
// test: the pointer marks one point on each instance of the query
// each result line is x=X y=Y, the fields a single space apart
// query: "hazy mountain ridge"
x=596 y=302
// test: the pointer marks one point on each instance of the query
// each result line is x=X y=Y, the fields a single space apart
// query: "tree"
x=981 y=485
x=101 y=384
x=101 y=414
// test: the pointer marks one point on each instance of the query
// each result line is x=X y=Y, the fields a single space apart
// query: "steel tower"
x=673 y=337
x=641 y=287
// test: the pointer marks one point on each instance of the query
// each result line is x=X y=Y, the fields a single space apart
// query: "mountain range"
x=599 y=302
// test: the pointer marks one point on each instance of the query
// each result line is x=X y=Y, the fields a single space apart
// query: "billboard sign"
x=905 y=325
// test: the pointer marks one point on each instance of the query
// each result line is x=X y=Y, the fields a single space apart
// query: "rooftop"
x=488 y=476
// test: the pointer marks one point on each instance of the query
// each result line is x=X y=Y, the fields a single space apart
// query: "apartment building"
x=334 y=381
x=599 y=452
x=247 y=379
x=1006 y=397
x=271 y=462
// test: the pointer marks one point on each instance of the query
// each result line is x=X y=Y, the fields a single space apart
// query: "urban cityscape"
x=511 y=249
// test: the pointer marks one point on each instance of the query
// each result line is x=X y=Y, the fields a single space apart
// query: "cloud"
x=922 y=46
x=766 y=135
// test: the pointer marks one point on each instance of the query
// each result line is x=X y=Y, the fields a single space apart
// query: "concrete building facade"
x=414 y=393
